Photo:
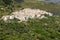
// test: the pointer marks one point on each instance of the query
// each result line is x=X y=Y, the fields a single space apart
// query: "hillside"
x=33 y=29
x=6 y=9
x=50 y=7
x=36 y=27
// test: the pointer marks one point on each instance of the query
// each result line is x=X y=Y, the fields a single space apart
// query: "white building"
x=11 y=17
x=5 y=18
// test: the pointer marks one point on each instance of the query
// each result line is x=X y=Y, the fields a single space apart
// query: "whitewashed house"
x=42 y=17
x=11 y=17
x=50 y=14
x=5 y=18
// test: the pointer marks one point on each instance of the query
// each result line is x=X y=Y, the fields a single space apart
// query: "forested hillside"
x=33 y=29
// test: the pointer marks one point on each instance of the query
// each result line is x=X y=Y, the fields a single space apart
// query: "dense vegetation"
x=33 y=29
x=8 y=6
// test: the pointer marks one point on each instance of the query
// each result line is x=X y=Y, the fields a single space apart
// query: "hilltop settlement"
x=25 y=14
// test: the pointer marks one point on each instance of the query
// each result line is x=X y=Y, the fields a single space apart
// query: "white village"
x=25 y=14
